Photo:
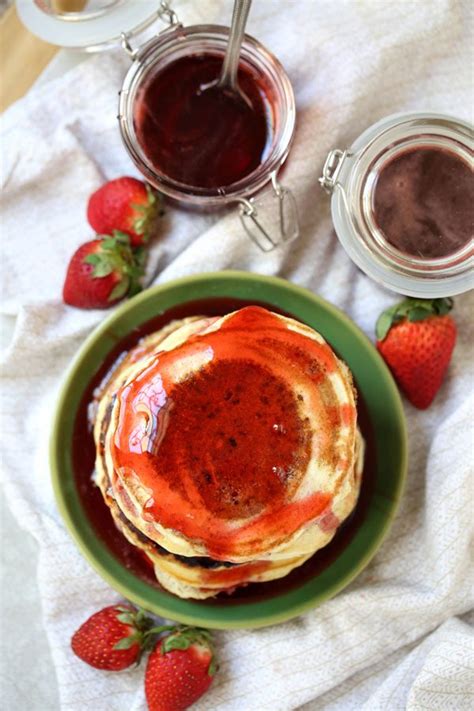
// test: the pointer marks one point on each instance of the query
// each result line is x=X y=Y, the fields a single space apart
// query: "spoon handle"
x=231 y=60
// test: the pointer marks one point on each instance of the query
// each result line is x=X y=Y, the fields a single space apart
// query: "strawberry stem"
x=146 y=633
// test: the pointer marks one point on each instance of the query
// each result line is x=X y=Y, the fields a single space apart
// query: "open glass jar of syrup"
x=203 y=151
x=200 y=153
x=403 y=203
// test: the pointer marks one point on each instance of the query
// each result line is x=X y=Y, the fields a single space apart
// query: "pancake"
x=197 y=578
x=231 y=441
x=188 y=577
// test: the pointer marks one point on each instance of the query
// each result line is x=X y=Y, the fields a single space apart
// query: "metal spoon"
x=227 y=81
x=228 y=77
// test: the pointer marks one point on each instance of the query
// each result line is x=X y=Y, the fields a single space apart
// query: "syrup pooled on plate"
x=200 y=136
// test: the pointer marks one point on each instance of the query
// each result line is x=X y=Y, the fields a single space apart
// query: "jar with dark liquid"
x=198 y=148
x=403 y=203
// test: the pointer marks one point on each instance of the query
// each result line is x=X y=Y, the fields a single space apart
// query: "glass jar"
x=177 y=42
x=350 y=177
x=268 y=216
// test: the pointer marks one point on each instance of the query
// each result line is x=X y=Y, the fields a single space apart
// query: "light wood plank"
x=22 y=58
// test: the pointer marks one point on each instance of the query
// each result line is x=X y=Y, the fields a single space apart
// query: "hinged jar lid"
x=91 y=25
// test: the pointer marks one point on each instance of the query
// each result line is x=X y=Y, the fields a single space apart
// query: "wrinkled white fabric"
x=392 y=639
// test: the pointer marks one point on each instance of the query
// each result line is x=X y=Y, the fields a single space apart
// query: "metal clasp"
x=332 y=168
x=125 y=43
x=165 y=13
x=287 y=218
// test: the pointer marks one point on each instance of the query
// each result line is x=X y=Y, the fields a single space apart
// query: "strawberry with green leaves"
x=101 y=272
x=181 y=665
x=127 y=205
x=416 y=339
x=113 y=638
x=180 y=669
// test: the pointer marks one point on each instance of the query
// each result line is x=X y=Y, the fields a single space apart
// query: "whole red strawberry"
x=103 y=271
x=112 y=638
x=124 y=204
x=180 y=669
x=416 y=338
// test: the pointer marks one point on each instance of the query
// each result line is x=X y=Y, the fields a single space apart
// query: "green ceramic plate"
x=374 y=382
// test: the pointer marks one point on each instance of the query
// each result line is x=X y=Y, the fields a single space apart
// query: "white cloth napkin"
x=398 y=637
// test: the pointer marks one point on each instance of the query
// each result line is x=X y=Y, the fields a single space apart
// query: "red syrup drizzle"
x=200 y=137
x=257 y=443
x=83 y=457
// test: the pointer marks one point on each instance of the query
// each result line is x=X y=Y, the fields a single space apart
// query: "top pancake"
x=237 y=438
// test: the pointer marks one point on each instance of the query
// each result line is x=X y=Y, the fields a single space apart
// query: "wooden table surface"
x=23 y=57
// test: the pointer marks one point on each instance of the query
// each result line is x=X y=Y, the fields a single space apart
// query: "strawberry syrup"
x=83 y=451
x=197 y=134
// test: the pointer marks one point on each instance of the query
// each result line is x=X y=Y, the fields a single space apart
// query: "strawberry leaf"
x=161 y=628
x=134 y=289
x=108 y=243
x=175 y=642
x=139 y=206
x=184 y=637
x=120 y=289
x=152 y=196
x=213 y=666
x=418 y=313
x=146 y=213
x=127 y=642
x=121 y=237
x=102 y=269
x=444 y=306
x=92 y=259
x=384 y=323
x=141 y=255
x=126 y=617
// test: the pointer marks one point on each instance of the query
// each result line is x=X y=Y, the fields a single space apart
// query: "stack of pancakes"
x=228 y=450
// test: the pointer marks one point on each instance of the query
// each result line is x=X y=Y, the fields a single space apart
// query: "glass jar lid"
x=391 y=179
x=90 y=25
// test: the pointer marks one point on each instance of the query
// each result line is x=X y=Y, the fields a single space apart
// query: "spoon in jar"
x=227 y=81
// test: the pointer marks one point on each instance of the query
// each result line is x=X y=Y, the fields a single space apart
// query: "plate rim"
x=264 y=619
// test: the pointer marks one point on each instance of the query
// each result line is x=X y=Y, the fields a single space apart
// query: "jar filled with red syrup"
x=200 y=153
x=203 y=152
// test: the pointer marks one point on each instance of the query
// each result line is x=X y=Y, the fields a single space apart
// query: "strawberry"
x=180 y=669
x=112 y=638
x=124 y=204
x=103 y=271
x=416 y=338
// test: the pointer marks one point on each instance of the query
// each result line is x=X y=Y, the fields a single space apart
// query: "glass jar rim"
x=347 y=176
x=169 y=45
